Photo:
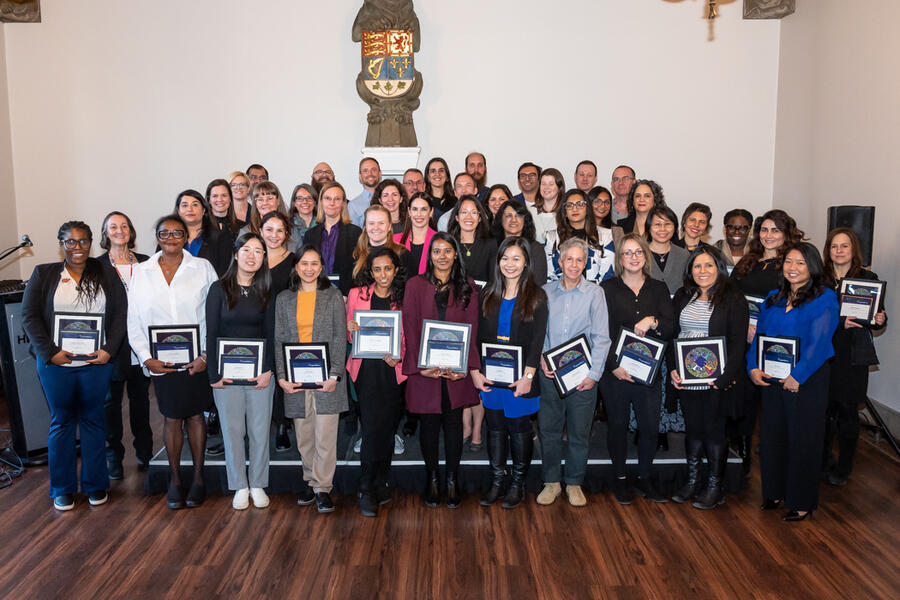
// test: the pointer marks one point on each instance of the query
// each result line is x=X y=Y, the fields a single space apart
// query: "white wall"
x=837 y=136
x=120 y=105
x=9 y=267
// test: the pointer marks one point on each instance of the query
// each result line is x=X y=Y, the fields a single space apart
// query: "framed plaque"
x=861 y=298
x=306 y=364
x=755 y=304
x=700 y=360
x=640 y=356
x=378 y=335
x=240 y=359
x=79 y=334
x=501 y=363
x=570 y=363
x=480 y=284
x=335 y=279
x=445 y=345
x=177 y=345
x=777 y=355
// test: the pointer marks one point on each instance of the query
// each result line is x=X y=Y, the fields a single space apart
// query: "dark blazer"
x=527 y=334
x=730 y=320
x=37 y=311
x=423 y=394
x=627 y=224
x=854 y=347
x=217 y=249
x=348 y=235
x=123 y=361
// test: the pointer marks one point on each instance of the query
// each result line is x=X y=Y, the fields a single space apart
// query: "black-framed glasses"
x=320 y=172
x=528 y=175
x=72 y=244
x=165 y=234
x=741 y=228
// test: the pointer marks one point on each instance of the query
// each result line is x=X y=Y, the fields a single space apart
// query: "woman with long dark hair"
x=513 y=312
x=708 y=305
x=514 y=220
x=240 y=305
x=643 y=196
x=117 y=236
x=497 y=194
x=439 y=187
x=335 y=236
x=170 y=289
x=469 y=226
x=377 y=380
x=854 y=352
x=417 y=233
x=574 y=218
x=391 y=194
x=221 y=205
x=443 y=293
x=75 y=389
x=792 y=421
x=311 y=310
x=204 y=238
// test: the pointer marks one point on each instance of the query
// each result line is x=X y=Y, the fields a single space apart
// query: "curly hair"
x=792 y=236
x=655 y=189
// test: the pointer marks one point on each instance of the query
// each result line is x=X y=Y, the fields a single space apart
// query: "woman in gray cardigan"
x=668 y=259
x=312 y=311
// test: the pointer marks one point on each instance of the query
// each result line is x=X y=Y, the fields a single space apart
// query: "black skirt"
x=180 y=395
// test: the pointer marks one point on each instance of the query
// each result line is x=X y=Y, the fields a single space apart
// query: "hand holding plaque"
x=79 y=334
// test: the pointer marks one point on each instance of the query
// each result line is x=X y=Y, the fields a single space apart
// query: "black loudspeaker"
x=860 y=219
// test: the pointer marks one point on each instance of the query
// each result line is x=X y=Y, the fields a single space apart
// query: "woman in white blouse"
x=170 y=289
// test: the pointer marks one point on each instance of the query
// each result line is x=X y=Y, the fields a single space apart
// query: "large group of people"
x=534 y=270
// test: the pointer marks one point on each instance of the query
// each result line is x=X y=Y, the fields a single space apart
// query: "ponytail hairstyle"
x=92 y=276
x=262 y=281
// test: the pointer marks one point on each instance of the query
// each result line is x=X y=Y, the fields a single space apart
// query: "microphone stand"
x=13 y=249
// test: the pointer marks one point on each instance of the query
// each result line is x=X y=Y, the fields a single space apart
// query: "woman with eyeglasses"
x=204 y=238
x=417 y=233
x=170 y=289
x=75 y=387
x=335 y=236
x=439 y=187
x=439 y=395
x=117 y=236
x=669 y=259
x=549 y=197
x=696 y=221
x=574 y=218
x=391 y=194
x=302 y=215
x=469 y=226
x=515 y=220
x=638 y=302
x=736 y=242
x=240 y=194
x=266 y=199
x=643 y=196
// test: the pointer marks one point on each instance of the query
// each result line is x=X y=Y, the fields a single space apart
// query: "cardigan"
x=329 y=326
x=527 y=334
x=123 y=360
x=37 y=311
x=423 y=394
x=673 y=273
x=348 y=236
x=357 y=300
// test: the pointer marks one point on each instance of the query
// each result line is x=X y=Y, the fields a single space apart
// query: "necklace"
x=468 y=248
x=168 y=271
x=245 y=290
x=131 y=261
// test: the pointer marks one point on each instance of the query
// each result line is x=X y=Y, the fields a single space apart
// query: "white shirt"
x=543 y=222
x=151 y=301
x=66 y=299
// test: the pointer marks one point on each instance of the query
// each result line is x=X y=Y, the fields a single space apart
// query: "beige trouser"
x=317 y=443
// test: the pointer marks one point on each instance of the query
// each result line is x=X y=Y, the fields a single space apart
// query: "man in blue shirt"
x=369 y=176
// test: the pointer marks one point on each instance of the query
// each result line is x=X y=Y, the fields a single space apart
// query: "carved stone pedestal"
x=394 y=161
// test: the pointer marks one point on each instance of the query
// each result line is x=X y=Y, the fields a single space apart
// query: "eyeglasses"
x=527 y=175
x=741 y=228
x=165 y=234
x=320 y=172
x=512 y=216
x=602 y=201
x=237 y=186
x=72 y=244
x=304 y=199
x=577 y=204
x=618 y=179
x=634 y=253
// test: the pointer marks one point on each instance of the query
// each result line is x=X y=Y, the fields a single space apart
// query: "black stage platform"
x=408 y=472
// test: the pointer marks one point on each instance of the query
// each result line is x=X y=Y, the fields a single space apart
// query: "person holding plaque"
x=310 y=311
x=170 y=289
x=515 y=220
x=117 y=237
x=469 y=225
x=803 y=310
x=377 y=380
x=74 y=314
x=756 y=275
x=417 y=233
x=708 y=305
x=335 y=236
x=854 y=352
x=439 y=393
x=240 y=307
x=576 y=307
x=513 y=313
x=574 y=218
x=638 y=302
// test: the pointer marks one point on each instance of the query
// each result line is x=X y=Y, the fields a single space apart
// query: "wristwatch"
x=529 y=375
x=335 y=377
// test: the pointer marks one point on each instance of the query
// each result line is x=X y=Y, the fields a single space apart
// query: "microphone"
x=26 y=241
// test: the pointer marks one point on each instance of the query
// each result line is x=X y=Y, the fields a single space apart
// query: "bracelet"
x=203 y=358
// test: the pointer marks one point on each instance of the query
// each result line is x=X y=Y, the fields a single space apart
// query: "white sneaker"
x=241 y=499
x=358 y=445
x=260 y=499
x=399 y=445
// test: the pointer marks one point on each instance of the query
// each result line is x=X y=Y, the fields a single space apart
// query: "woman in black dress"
x=469 y=225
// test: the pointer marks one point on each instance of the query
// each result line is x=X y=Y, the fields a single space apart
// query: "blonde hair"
x=320 y=212
x=640 y=241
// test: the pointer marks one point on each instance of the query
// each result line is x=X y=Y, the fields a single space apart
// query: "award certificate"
x=444 y=345
x=79 y=334
x=640 y=356
x=240 y=359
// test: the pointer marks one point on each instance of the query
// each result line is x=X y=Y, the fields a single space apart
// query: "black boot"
x=497 y=446
x=432 y=489
x=746 y=452
x=662 y=442
x=522 y=446
x=714 y=495
x=282 y=441
x=692 y=449
x=212 y=423
x=453 y=497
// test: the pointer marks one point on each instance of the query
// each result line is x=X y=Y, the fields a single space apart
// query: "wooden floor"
x=134 y=547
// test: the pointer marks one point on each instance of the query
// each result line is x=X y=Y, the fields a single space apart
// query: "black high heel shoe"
x=793 y=515
x=771 y=504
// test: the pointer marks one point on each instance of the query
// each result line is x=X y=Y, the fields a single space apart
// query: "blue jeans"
x=76 y=396
x=574 y=412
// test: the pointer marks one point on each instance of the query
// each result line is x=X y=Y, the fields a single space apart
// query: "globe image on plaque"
x=446 y=336
x=639 y=348
x=858 y=290
x=174 y=338
x=777 y=349
x=502 y=355
x=78 y=326
x=239 y=351
x=569 y=356
x=376 y=323
x=701 y=363
x=306 y=356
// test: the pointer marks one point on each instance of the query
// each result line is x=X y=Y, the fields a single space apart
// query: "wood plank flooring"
x=134 y=547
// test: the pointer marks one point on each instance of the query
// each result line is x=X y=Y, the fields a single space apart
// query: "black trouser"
x=746 y=424
x=846 y=392
x=618 y=395
x=278 y=407
x=701 y=410
x=792 y=427
x=378 y=410
x=497 y=421
x=138 y=415
x=450 y=420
